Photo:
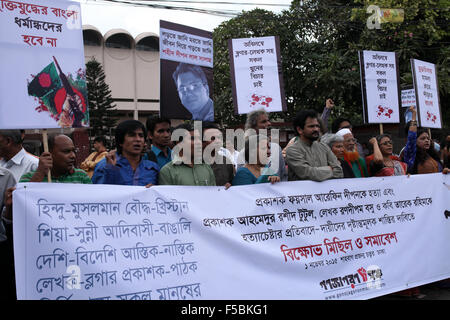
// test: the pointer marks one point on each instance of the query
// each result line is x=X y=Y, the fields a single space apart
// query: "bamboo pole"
x=45 y=142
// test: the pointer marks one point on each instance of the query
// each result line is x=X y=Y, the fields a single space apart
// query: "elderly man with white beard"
x=351 y=154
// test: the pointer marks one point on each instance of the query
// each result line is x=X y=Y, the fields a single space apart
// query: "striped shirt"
x=78 y=176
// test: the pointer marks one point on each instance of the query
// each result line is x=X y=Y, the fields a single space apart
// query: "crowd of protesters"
x=156 y=154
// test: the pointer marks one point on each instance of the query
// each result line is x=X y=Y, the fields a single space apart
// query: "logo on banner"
x=384 y=111
x=74 y=280
x=370 y=276
x=260 y=101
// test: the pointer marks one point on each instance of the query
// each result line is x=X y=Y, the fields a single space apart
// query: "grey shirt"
x=312 y=162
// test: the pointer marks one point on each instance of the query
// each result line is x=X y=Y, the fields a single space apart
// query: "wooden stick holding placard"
x=45 y=142
x=381 y=128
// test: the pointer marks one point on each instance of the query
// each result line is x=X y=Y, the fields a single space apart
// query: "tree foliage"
x=101 y=107
x=320 y=40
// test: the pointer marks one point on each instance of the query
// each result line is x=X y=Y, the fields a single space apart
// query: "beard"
x=312 y=137
x=351 y=155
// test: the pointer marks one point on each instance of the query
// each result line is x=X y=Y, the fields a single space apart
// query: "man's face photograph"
x=192 y=92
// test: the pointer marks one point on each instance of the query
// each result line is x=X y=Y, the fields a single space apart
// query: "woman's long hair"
x=422 y=154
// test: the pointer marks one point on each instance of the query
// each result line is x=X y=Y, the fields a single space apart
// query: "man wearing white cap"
x=351 y=154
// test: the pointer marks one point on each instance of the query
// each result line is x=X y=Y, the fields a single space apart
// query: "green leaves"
x=101 y=107
x=319 y=43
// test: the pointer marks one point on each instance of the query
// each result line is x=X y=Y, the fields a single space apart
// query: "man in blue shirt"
x=158 y=132
x=126 y=166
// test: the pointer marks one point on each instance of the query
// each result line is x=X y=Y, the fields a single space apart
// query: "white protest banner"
x=427 y=93
x=257 y=80
x=338 y=239
x=408 y=98
x=380 y=86
x=43 y=78
x=186 y=72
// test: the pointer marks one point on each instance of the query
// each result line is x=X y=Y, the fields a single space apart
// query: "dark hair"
x=421 y=154
x=185 y=68
x=101 y=139
x=209 y=125
x=124 y=128
x=337 y=122
x=384 y=135
x=300 y=118
x=152 y=121
x=185 y=126
x=14 y=135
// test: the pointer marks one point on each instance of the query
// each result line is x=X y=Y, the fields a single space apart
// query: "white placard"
x=338 y=239
x=427 y=93
x=380 y=87
x=255 y=68
x=32 y=33
x=186 y=47
x=408 y=98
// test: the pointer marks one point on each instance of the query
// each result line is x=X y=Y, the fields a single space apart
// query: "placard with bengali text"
x=427 y=94
x=43 y=77
x=380 y=86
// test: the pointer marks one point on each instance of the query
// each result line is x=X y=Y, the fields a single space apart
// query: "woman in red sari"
x=384 y=163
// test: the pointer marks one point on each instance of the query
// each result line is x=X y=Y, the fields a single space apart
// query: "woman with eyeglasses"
x=419 y=153
x=384 y=163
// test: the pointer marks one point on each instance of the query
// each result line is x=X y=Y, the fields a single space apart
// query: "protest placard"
x=380 y=86
x=337 y=239
x=43 y=78
x=427 y=94
x=256 y=74
x=186 y=72
x=408 y=98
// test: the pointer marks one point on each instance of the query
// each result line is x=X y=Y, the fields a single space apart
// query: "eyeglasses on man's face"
x=190 y=87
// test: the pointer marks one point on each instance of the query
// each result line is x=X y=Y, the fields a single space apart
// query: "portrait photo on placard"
x=186 y=91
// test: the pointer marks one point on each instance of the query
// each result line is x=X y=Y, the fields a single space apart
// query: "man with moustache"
x=193 y=91
x=60 y=161
x=307 y=158
x=351 y=154
x=126 y=166
x=187 y=167
x=222 y=167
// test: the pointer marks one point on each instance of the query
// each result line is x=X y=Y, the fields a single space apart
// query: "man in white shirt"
x=14 y=157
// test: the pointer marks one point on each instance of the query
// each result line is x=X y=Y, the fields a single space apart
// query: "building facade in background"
x=131 y=68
